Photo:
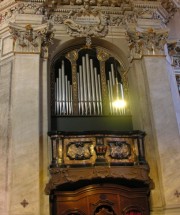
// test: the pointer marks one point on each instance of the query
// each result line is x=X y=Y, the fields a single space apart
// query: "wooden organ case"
x=98 y=162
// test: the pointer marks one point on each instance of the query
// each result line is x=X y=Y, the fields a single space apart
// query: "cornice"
x=126 y=9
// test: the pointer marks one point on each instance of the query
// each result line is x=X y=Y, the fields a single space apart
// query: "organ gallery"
x=89 y=107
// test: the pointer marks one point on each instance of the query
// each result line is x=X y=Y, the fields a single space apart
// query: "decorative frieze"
x=147 y=42
x=81 y=17
x=30 y=39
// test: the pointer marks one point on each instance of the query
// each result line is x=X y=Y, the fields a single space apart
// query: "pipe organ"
x=89 y=88
x=115 y=91
x=63 y=93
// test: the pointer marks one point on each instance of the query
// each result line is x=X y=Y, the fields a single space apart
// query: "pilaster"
x=155 y=101
x=27 y=114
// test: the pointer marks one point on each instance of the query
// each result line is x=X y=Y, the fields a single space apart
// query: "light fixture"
x=118 y=102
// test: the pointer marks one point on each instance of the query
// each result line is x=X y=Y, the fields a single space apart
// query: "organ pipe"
x=89 y=90
x=115 y=91
x=90 y=99
x=63 y=93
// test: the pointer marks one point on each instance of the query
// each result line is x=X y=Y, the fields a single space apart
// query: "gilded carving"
x=31 y=39
x=79 y=150
x=150 y=41
x=102 y=55
x=72 y=56
x=119 y=150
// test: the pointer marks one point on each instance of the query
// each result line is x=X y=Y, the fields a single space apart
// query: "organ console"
x=89 y=84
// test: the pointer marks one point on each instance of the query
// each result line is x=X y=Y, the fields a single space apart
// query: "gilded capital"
x=29 y=39
x=147 y=42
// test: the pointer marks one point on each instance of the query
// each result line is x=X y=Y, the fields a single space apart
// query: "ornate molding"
x=147 y=42
x=31 y=39
x=87 y=18
x=60 y=176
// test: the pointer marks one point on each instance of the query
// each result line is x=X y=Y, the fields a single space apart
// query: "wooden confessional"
x=98 y=162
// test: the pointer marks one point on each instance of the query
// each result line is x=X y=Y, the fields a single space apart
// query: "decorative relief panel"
x=120 y=150
x=79 y=151
x=97 y=155
x=86 y=22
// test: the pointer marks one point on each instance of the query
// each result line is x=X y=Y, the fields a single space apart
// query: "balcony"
x=88 y=156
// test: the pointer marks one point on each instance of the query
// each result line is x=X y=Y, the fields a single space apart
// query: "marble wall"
x=5 y=128
x=24 y=138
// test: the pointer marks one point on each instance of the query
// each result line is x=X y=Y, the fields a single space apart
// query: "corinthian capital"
x=28 y=39
x=147 y=42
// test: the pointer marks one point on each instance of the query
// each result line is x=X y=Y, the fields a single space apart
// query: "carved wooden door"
x=104 y=199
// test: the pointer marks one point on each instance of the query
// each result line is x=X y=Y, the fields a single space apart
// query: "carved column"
x=27 y=117
x=102 y=56
x=156 y=110
x=72 y=57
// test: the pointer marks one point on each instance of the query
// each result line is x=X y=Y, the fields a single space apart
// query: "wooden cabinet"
x=99 y=199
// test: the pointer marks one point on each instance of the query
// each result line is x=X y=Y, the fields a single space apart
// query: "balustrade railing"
x=74 y=149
